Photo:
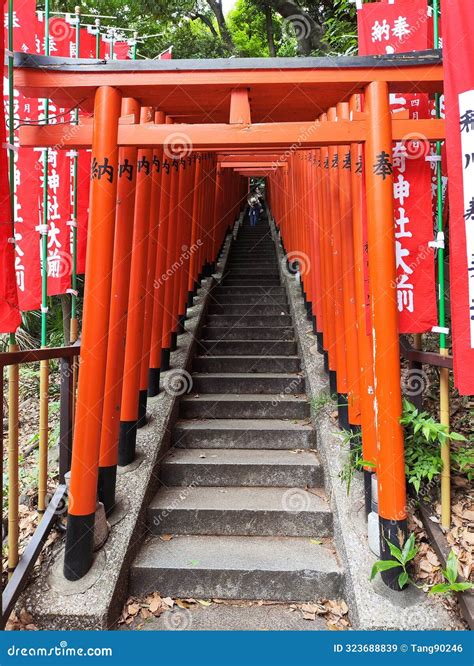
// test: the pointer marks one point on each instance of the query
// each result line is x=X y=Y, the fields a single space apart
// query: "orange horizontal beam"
x=46 y=81
x=219 y=136
x=249 y=158
x=252 y=165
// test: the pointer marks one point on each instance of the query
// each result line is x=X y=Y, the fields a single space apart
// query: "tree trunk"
x=207 y=21
x=216 y=6
x=269 y=30
x=307 y=31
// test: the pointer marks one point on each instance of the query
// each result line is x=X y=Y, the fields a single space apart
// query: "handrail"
x=24 y=564
x=424 y=357
x=33 y=355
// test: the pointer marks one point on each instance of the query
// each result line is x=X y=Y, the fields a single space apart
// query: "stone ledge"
x=95 y=602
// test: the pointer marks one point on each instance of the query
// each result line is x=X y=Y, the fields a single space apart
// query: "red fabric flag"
x=121 y=49
x=9 y=312
x=58 y=260
x=87 y=47
x=87 y=50
x=458 y=58
x=166 y=55
x=27 y=171
x=394 y=28
x=389 y=28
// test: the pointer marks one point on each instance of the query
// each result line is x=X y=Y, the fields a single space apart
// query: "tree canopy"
x=253 y=28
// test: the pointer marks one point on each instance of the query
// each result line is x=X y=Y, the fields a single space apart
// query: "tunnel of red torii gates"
x=196 y=131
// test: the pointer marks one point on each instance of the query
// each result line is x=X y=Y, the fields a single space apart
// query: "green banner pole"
x=443 y=346
x=73 y=333
x=11 y=130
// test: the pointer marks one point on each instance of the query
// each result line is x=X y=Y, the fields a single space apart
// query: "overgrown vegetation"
x=402 y=559
x=423 y=439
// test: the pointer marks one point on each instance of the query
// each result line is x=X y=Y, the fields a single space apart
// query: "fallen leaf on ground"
x=133 y=609
x=309 y=616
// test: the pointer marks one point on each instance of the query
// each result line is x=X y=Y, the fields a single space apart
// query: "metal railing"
x=20 y=565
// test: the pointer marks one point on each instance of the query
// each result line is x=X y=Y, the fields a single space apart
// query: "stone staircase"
x=242 y=488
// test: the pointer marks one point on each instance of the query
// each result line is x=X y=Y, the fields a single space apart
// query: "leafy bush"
x=423 y=439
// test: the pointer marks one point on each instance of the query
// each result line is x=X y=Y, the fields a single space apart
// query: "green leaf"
x=444 y=588
x=409 y=549
x=457 y=437
x=451 y=572
x=441 y=588
x=403 y=579
x=396 y=552
x=462 y=587
x=383 y=565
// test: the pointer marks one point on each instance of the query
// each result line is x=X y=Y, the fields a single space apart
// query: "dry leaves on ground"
x=137 y=611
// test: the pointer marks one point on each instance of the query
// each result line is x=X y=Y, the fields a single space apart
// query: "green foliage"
x=402 y=558
x=196 y=29
x=247 y=27
x=340 y=28
x=451 y=575
x=355 y=460
x=423 y=438
x=323 y=400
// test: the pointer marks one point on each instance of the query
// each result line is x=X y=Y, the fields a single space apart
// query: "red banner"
x=121 y=49
x=166 y=55
x=9 y=313
x=27 y=171
x=58 y=260
x=87 y=47
x=389 y=28
x=458 y=58
x=394 y=28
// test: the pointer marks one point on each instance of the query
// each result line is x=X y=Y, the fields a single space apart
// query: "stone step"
x=262 y=248
x=246 y=299
x=257 y=260
x=241 y=383
x=275 y=434
x=246 y=347
x=246 y=511
x=229 y=281
x=234 y=264
x=247 y=333
x=230 y=617
x=204 y=567
x=241 y=467
x=228 y=406
x=249 y=309
x=243 y=321
x=246 y=273
x=250 y=289
x=246 y=364
x=254 y=254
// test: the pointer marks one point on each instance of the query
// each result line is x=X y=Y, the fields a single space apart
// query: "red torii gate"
x=243 y=117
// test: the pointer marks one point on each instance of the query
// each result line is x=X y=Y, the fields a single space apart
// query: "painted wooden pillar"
x=92 y=374
x=382 y=272
x=118 y=316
